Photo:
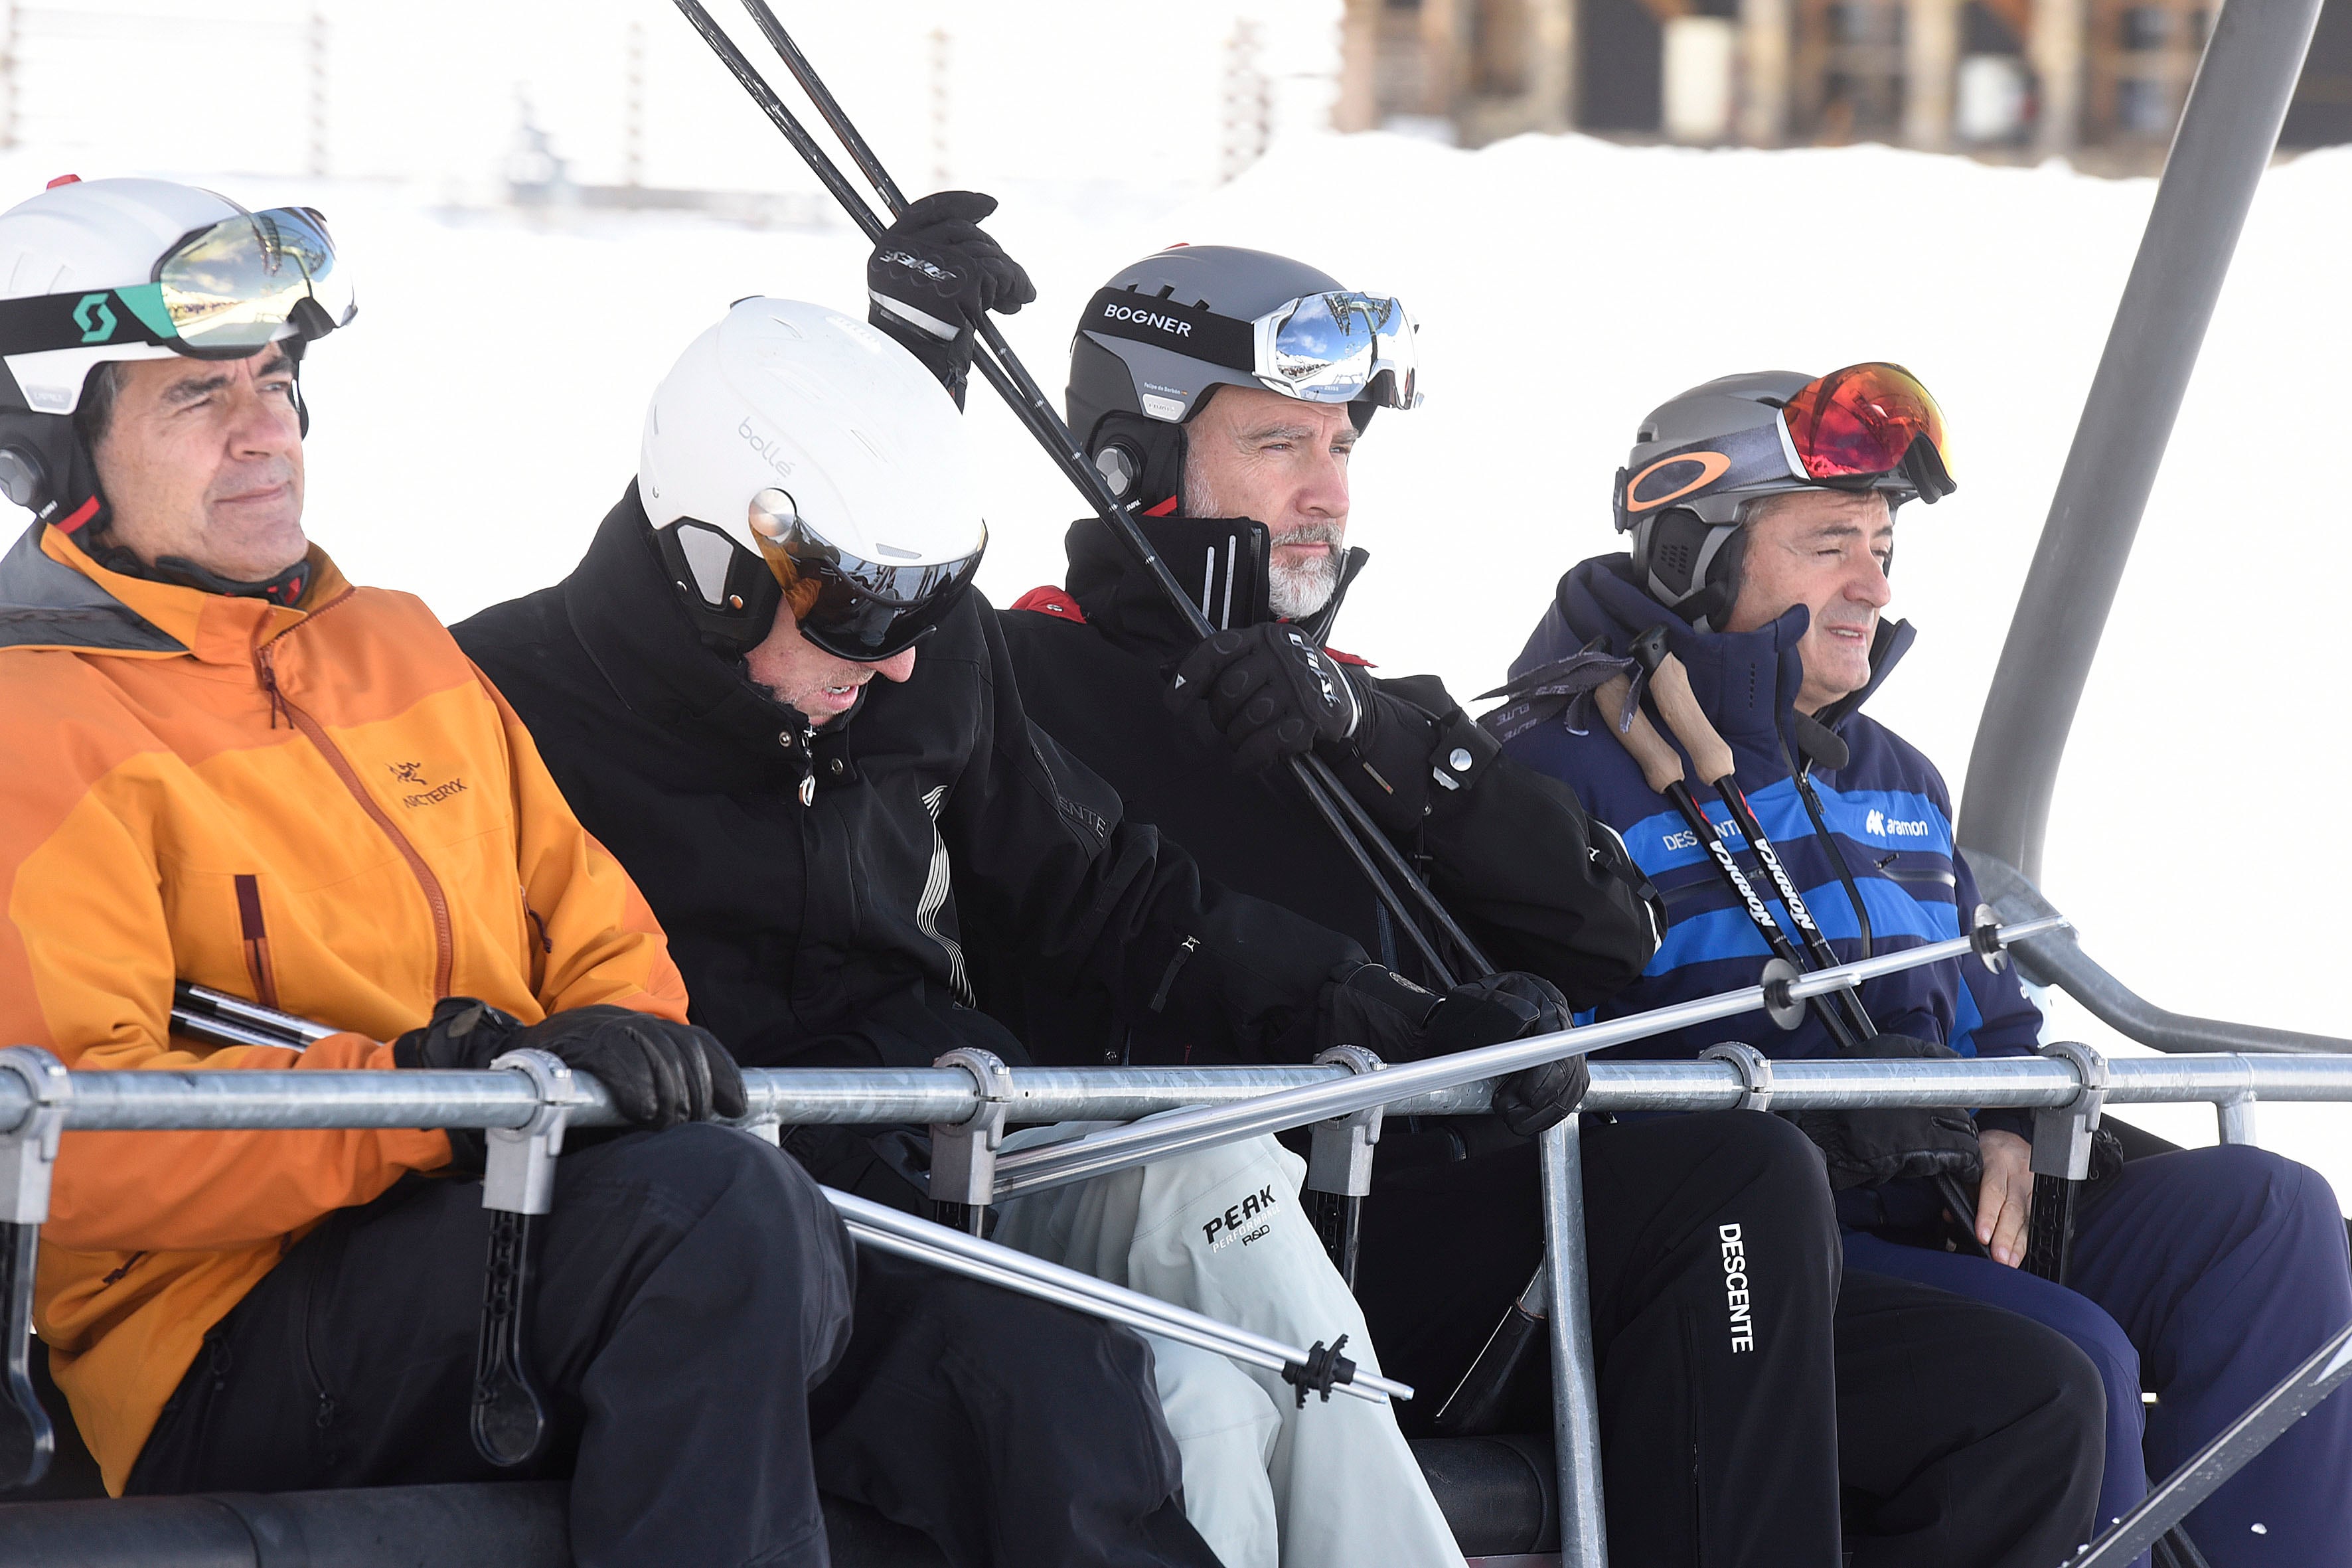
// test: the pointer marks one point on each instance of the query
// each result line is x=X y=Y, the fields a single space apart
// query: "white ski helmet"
x=99 y=271
x=794 y=456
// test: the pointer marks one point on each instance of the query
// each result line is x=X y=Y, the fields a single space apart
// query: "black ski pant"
x=1903 y=1424
x=690 y=1332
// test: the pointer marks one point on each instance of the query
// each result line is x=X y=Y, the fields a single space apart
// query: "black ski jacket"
x=833 y=933
x=1510 y=852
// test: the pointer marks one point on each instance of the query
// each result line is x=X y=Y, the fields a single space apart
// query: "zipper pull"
x=270 y=684
x=807 y=744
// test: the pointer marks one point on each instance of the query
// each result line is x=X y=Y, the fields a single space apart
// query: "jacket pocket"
x=253 y=931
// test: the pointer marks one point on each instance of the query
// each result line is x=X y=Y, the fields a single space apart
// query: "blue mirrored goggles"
x=1339 y=348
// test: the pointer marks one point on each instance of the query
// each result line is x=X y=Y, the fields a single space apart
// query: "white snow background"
x=483 y=413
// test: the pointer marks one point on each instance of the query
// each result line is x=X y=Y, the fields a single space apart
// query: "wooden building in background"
x=2101 y=81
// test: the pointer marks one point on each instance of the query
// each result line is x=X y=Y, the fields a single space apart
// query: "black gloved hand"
x=1869 y=1147
x=932 y=275
x=1536 y=1098
x=463 y=1035
x=1269 y=692
x=658 y=1073
x=1397 y=1021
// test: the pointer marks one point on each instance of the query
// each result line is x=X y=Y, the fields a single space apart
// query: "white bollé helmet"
x=97 y=271
x=795 y=457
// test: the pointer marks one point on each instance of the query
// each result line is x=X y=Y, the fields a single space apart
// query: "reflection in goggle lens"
x=1328 y=347
x=233 y=286
x=1861 y=420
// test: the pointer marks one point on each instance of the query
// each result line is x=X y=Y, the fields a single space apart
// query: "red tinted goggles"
x=1867 y=420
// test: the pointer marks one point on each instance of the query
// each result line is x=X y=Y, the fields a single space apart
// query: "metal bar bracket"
x=509 y=1419
x=1984 y=935
x=29 y=1154
x=964 y=1153
x=1755 y=1069
x=2061 y=1133
x=2236 y=1115
x=1340 y=1157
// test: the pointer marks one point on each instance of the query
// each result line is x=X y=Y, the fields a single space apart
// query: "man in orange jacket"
x=228 y=765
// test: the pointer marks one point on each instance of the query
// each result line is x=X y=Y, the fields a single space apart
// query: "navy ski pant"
x=2205 y=1276
x=690 y=1331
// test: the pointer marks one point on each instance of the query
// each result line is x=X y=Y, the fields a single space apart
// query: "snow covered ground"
x=483 y=414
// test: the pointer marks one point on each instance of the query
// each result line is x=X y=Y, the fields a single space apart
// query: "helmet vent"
x=1677 y=558
x=708 y=553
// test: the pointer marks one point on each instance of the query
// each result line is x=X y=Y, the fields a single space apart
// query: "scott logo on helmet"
x=95 y=317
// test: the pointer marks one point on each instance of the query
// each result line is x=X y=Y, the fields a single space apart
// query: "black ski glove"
x=932 y=275
x=1365 y=1004
x=1871 y=1147
x=658 y=1073
x=1269 y=692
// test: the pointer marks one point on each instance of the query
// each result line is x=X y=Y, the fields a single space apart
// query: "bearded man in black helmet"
x=1220 y=392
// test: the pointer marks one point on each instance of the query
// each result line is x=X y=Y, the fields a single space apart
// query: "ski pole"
x=2234 y=1448
x=1670 y=691
x=1319 y=1370
x=1663 y=771
x=1341 y=812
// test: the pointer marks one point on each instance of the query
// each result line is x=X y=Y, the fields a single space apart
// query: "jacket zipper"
x=444 y=940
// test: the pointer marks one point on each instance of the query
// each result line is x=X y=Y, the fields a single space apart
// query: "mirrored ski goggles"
x=1322 y=348
x=1337 y=348
x=864 y=611
x=1867 y=420
x=222 y=292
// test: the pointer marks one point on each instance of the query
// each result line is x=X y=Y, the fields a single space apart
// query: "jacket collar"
x=1747 y=681
x=1220 y=563
x=54 y=596
x=621 y=607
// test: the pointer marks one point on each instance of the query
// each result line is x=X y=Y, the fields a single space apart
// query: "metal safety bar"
x=2056 y=959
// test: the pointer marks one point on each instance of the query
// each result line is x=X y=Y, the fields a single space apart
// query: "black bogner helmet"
x=1157 y=340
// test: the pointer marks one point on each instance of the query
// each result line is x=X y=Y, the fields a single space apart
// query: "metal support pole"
x=2236 y=1116
x=2226 y=137
x=1339 y=1166
x=518 y=1183
x=1575 y=1390
x=28 y=1152
x=964 y=1153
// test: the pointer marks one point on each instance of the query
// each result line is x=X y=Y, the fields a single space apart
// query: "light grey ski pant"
x=1269 y=1484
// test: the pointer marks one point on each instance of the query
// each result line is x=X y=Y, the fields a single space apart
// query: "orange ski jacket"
x=327 y=809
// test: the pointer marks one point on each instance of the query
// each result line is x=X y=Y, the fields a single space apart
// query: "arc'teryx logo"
x=95 y=317
x=433 y=795
x=1878 y=825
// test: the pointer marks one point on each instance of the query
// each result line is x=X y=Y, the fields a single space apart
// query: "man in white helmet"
x=770 y=689
x=228 y=765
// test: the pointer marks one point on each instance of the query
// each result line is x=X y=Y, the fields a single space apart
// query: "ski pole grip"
x=1670 y=687
x=1659 y=766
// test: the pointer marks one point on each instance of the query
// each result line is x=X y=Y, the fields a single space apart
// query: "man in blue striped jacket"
x=1762 y=513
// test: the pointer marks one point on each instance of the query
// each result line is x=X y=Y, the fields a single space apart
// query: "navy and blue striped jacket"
x=1887 y=809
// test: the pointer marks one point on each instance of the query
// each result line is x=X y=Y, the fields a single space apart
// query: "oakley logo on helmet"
x=1672 y=478
x=1115 y=311
x=767 y=449
x=95 y=317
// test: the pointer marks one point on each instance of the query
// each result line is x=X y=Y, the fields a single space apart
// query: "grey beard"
x=1292 y=592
